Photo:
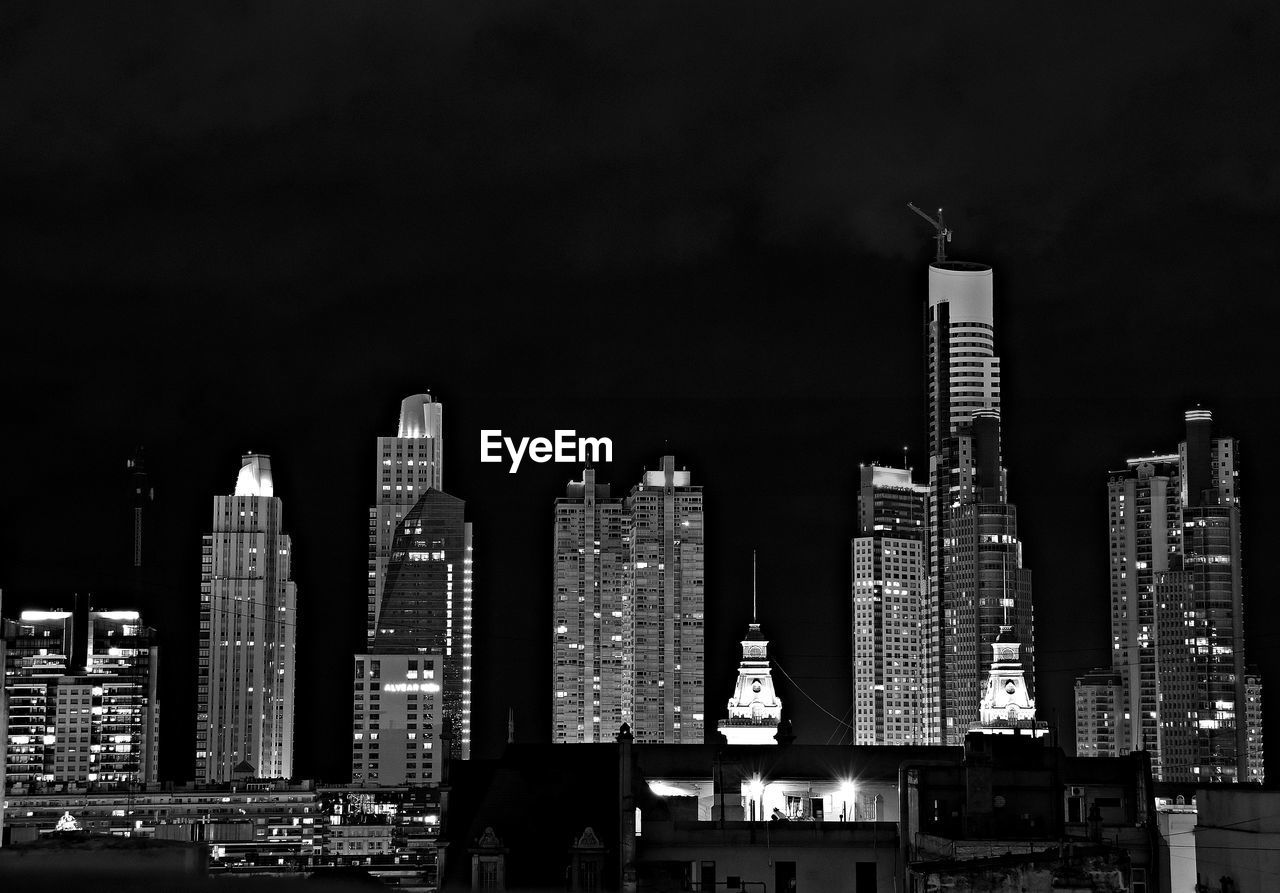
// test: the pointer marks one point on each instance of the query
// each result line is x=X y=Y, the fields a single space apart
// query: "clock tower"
x=1007 y=705
x=755 y=708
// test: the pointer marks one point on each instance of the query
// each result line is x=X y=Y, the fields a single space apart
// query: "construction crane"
x=942 y=234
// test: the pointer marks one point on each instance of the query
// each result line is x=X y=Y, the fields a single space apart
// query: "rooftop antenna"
x=904 y=457
x=1004 y=587
x=753 y=586
x=511 y=725
x=941 y=234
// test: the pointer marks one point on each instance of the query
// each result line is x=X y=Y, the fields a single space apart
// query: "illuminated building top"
x=254 y=478
x=420 y=417
x=1007 y=705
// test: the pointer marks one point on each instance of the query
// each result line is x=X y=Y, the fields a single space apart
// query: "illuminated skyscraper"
x=1177 y=606
x=408 y=465
x=591 y=695
x=976 y=579
x=889 y=571
x=664 y=658
x=415 y=675
x=81 y=692
x=248 y=625
x=426 y=612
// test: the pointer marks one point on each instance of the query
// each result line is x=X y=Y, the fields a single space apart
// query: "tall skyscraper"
x=665 y=656
x=976 y=579
x=414 y=678
x=80 y=687
x=591 y=695
x=426 y=609
x=1177 y=606
x=408 y=465
x=889 y=572
x=248 y=625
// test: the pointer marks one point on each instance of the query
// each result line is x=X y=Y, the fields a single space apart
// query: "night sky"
x=258 y=226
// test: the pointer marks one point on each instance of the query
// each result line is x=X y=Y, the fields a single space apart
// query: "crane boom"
x=941 y=234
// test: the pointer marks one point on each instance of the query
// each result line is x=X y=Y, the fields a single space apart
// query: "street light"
x=848 y=791
x=756 y=789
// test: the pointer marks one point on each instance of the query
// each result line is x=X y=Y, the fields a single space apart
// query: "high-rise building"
x=80 y=688
x=413 y=680
x=425 y=613
x=1099 y=702
x=591 y=696
x=248 y=624
x=889 y=572
x=398 y=719
x=1185 y=693
x=409 y=464
x=976 y=580
x=755 y=710
x=664 y=657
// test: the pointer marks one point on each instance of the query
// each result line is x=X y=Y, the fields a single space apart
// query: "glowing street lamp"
x=756 y=790
x=848 y=793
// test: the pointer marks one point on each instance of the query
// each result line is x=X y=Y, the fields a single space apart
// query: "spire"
x=753 y=587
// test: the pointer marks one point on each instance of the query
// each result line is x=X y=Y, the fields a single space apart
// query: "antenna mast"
x=941 y=234
x=753 y=586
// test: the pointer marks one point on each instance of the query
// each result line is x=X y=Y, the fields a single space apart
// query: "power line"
x=838 y=720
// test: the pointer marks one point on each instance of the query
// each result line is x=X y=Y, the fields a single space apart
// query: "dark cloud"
x=351 y=142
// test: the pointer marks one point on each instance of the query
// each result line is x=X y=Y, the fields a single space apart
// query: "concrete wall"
x=825 y=856
x=1238 y=836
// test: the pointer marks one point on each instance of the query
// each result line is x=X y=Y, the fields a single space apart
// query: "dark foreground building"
x=1003 y=812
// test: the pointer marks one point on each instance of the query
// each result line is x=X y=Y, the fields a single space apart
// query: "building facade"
x=976 y=580
x=889 y=573
x=1187 y=695
x=664 y=657
x=628 y=612
x=82 y=707
x=398 y=718
x=409 y=464
x=248 y=631
x=425 y=614
x=1099 y=702
x=591 y=694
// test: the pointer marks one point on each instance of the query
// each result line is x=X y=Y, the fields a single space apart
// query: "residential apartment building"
x=592 y=693
x=889 y=571
x=628 y=637
x=80 y=690
x=1187 y=695
x=665 y=657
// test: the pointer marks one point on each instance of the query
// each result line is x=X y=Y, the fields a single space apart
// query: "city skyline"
x=701 y=249
x=1181 y=684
